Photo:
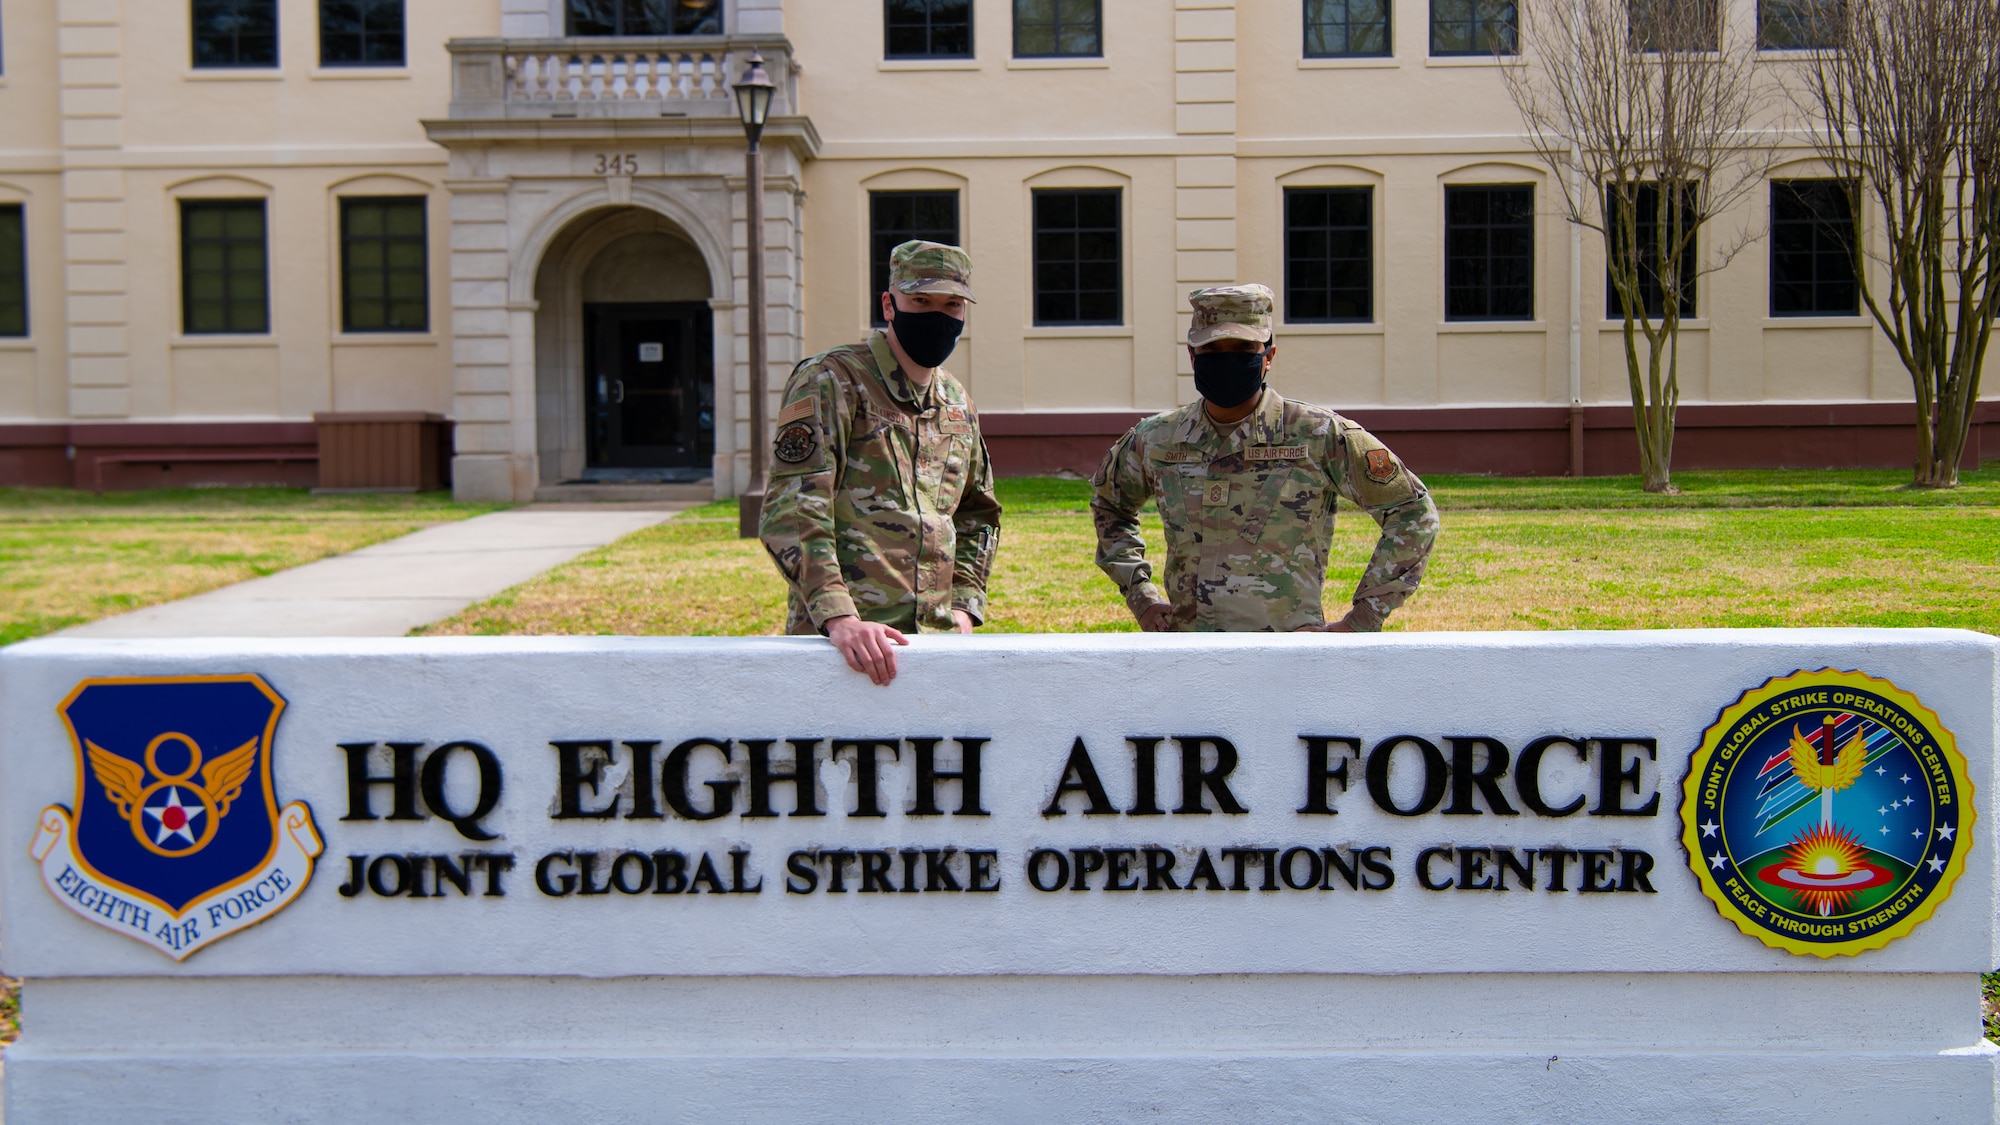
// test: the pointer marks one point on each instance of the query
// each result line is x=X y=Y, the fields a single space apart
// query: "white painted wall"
x=1393 y=1005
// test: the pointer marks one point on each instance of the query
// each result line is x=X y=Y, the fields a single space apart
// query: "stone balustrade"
x=633 y=76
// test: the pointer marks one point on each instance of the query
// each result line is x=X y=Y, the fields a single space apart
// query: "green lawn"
x=1735 y=549
x=67 y=557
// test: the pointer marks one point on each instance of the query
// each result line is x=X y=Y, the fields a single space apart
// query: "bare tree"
x=1905 y=99
x=1645 y=110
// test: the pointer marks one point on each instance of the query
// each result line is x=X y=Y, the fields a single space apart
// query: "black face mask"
x=1228 y=378
x=927 y=337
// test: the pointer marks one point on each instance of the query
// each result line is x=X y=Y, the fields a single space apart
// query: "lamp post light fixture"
x=753 y=105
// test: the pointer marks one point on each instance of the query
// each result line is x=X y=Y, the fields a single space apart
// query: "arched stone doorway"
x=625 y=362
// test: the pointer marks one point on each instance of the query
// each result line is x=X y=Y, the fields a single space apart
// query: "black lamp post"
x=753 y=105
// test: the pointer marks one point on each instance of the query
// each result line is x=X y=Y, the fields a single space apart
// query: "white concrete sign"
x=1743 y=875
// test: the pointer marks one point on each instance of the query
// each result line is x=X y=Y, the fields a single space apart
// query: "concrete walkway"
x=390 y=588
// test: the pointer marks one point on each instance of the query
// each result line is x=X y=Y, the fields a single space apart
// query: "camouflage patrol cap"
x=930 y=267
x=1241 y=312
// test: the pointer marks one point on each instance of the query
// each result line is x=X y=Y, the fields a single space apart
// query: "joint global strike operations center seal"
x=1827 y=812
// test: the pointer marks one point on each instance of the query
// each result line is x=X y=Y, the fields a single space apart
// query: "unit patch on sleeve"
x=796 y=443
x=1382 y=466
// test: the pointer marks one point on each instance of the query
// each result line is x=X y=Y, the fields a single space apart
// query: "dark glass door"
x=649 y=386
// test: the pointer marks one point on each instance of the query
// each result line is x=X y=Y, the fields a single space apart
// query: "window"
x=1079 y=257
x=1058 y=28
x=1812 y=249
x=927 y=29
x=1798 y=25
x=224 y=273
x=895 y=217
x=13 y=271
x=1475 y=27
x=1646 y=200
x=1337 y=29
x=384 y=265
x=235 y=33
x=1329 y=254
x=1489 y=253
x=1685 y=25
x=645 y=17
x=361 y=33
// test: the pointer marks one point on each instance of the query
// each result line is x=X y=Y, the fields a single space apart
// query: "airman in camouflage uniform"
x=1248 y=506
x=881 y=500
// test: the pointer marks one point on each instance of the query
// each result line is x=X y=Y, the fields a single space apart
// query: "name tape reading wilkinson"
x=1821 y=810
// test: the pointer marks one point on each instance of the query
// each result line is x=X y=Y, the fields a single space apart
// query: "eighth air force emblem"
x=177 y=838
x=1827 y=812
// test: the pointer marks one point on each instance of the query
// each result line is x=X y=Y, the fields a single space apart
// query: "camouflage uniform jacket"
x=1248 y=512
x=881 y=498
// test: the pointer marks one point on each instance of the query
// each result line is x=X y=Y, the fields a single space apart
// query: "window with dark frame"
x=1812 y=249
x=361 y=33
x=1345 y=29
x=1647 y=34
x=1329 y=255
x=1058 y=28
x=13 y=270
x=643 y=17
x=896 y=217
x=927 y=29
x=1489 y=252
x=1079 y=257
x=384 y=265
x=1646 y=220
x=225 y=267
x=235 y=33
x=1475 y=27
x=1798 y=25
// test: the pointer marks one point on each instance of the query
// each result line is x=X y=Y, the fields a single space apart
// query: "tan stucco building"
x=237 y=215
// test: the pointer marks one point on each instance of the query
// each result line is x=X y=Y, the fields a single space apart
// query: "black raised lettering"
x=801 y=777
x=435 y=769
x=1521 y=864
x=1084 y=861
x=1528 y=775
x=674 y=780
x=924 y=750
x=1616 y=773
x=801 y=878
x=1382 y=758
x=1039 y=861
x=645 y=805
x=564 y=883
x=573 y=774
x=1424 y=859
x=1215 y=778
x=1118 y=874
x=867 y=772
x=1468 y=773
x=1319 y=771
x=1145 y=776
x=402 y=780
x=1633 y=868
x=1595 y=877
x=1079 y=775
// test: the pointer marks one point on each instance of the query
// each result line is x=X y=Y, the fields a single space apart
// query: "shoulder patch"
x=803 y=408
x=1382 y=467
x=796 y=442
